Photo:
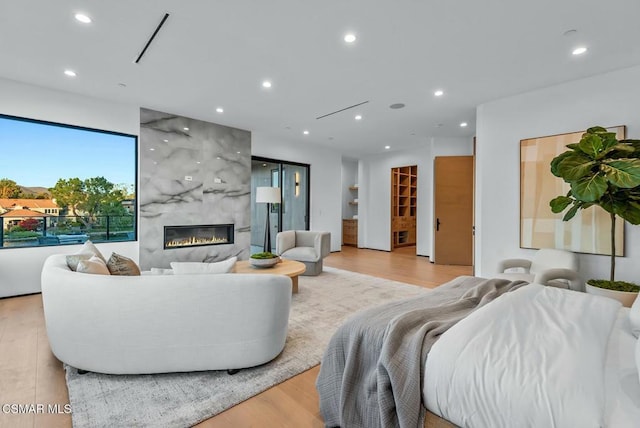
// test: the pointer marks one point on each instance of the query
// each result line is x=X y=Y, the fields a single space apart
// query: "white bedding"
x=535 y=358
x=622 y=386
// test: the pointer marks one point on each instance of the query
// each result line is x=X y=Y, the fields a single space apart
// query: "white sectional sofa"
x=163 y=323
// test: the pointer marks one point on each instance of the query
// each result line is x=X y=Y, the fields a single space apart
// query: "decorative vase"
x=625 y=297
x=264 y=263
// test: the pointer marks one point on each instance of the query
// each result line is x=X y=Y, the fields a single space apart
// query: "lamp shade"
x=268 y=195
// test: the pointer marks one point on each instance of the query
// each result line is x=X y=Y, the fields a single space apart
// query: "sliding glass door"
x=292 y=213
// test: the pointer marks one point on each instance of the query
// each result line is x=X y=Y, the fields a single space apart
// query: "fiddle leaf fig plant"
x=601 y=171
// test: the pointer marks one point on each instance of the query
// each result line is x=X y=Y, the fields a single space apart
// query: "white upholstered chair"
x=304 y=246
x=556 y=268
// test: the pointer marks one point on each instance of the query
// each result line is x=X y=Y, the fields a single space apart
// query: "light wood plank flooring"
x=30 y=374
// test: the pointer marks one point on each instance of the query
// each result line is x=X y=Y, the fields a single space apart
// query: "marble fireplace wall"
x=192 y=173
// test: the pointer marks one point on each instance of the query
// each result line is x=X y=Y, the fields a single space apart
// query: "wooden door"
x=453 y=213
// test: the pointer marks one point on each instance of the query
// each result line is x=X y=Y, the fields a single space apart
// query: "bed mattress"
x=618 y=383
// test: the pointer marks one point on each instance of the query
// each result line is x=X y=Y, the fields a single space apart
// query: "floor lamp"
x=267 y=195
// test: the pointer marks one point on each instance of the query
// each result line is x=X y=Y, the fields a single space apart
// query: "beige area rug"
x=183 y=399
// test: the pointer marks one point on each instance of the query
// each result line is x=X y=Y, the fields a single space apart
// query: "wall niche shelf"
x=350 y=225
x=404 y=202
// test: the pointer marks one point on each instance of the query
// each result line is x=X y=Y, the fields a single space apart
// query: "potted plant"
x=264 y=259
x=603 y=172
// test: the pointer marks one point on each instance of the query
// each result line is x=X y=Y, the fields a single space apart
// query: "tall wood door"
x=453 y=216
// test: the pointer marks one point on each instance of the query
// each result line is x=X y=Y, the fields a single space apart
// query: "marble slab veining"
x=192 y=172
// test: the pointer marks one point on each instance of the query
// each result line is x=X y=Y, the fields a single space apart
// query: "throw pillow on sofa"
x=74 y=259
x=121 y=265
x=190 y=268
x=89 y=247
x=94 y=265
x=85 y=252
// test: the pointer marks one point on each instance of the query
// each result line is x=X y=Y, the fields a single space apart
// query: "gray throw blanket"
x=371 y=373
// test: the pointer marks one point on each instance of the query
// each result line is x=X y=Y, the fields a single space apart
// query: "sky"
x=38 y=154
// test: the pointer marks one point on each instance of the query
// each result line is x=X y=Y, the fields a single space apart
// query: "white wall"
x=325 y=179
x=607 y=100
x=374 y=228
x=20 y=268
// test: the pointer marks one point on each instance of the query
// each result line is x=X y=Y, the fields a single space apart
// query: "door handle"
x=437 y=224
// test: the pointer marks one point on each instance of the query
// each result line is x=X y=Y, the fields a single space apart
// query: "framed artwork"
x=588 y=232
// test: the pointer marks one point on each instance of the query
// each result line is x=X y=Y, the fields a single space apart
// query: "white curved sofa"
x=163 y=323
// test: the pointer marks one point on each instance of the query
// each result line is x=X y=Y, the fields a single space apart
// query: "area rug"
x=184 y=399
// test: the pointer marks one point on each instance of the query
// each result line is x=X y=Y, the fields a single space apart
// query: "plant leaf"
x=596 y=130
x=589 y=189
x=619 y=151
x=591 y=145
x=573 y=168
x=560 y=203
x=571 y=213
x=623 y=173
x=555 y=161
x=631 y=213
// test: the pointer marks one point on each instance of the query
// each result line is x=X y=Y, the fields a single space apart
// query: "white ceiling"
x=217 y=53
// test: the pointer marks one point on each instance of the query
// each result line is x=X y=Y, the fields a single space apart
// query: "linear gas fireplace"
x=196 y=236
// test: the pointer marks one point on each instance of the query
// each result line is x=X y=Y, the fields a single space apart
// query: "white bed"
x=540 y=357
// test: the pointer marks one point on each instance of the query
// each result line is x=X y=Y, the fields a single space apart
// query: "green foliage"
x=9 y=189
x=263 y=255
x=17 y=233
x=615 y=285
x=91 y=197
x=601 y=171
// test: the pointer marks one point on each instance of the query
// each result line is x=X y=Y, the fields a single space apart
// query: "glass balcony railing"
x=65 y=230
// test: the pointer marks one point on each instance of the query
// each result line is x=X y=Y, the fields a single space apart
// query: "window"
x=293 y=213
x=70 y=184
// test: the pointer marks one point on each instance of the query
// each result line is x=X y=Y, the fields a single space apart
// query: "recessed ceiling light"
x=185 y=128
x=305 y=132
x=218 y=157
x=439 y=93
x=358 y=117
x=152 y=149
x=396 y=106
x=198 y=162
x=70 y=73
x=387 y=147
x=122 y=85
x=82 y=18
x=166 y=141
x=220 y=110
x=463 y=125
x=266 y=84
x=350 y=38
x=579 y=50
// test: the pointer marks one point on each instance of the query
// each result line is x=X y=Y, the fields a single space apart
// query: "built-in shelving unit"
x=350 y=226
x=404 y=202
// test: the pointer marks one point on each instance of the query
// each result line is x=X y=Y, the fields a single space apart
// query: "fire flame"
x=185 y=242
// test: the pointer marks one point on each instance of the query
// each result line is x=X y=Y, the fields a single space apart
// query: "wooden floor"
x=30 y=374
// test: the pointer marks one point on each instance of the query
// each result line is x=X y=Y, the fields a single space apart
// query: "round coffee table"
x=290 y=268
